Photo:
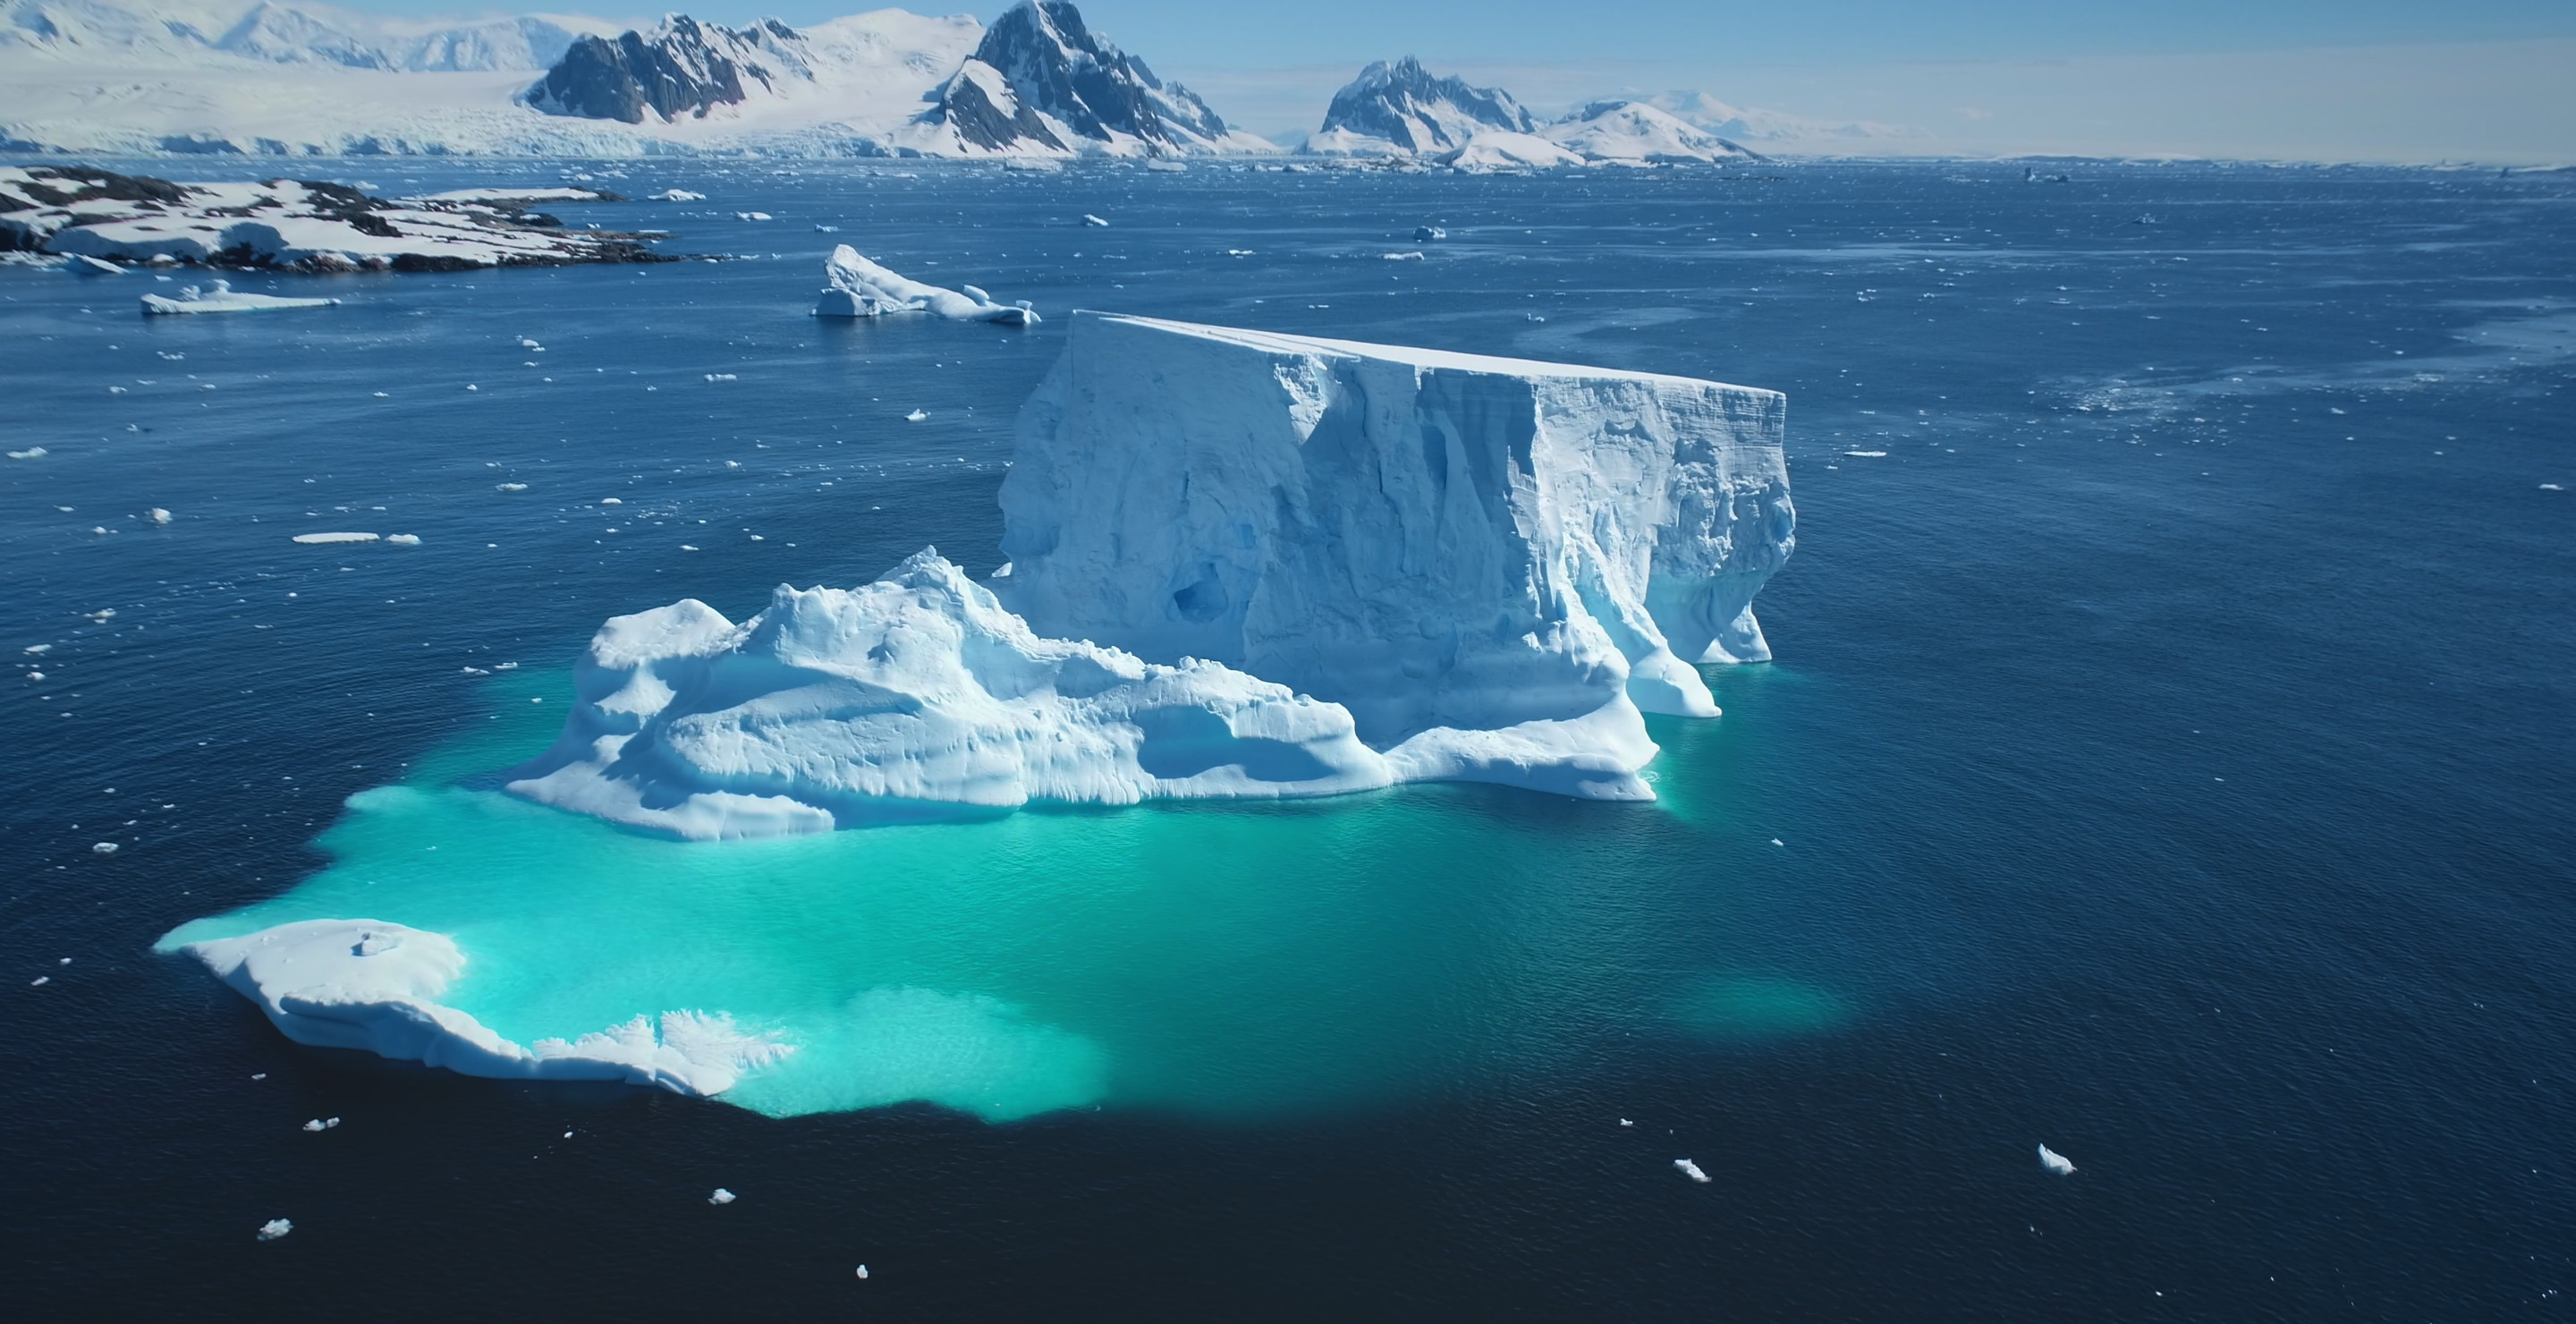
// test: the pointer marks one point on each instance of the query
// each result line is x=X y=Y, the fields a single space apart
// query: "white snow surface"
x=1502 y=149
x=857 y=287
x=372 y=985
x=1636 y=131
x=222 y=298
x=1241 y=564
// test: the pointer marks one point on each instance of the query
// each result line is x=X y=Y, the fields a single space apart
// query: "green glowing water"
x=1225 y=959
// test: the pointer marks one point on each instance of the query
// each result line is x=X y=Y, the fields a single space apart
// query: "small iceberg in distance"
x=223 y=298
x=2056 y=1162
x=857 y=287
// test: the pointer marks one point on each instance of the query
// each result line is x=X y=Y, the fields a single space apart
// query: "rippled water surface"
x=2168 y=760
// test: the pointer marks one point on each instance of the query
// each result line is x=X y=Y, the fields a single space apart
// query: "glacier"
x=1240 y=564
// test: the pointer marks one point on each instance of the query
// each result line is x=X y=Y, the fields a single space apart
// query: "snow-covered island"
x=284 y=224
x=1239 y=564
x=1401 y=113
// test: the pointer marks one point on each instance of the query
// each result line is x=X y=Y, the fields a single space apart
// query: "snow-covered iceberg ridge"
x=1295 y=567
x=371 y=985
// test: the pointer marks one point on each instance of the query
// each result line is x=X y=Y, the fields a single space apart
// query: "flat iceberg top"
x=1280 y=342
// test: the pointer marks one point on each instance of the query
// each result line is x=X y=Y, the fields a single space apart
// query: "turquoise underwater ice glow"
x=1223 y=959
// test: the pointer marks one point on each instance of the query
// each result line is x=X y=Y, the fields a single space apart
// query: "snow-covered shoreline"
x=283 y=224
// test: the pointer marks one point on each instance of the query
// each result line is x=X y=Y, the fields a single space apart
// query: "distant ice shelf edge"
x=1281 y=566
x=1241 y=564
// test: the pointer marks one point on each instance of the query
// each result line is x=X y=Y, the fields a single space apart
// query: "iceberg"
x=222 y=298
x=1241 y=564
x=371 y=985
x=857 y=287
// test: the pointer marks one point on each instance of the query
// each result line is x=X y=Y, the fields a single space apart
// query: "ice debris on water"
x=222 y=298
x=275 y=1228
x=722 y=377
x=31 y=453
x=318 y=539
x=857 y=287
x=402 y=539
x=103 y=848
x=510 y=487
x=675 y=195
x=2055 y=1162
x=157 y=515
x=722 y=1196
x=319 y=1124
x=1625 y=1122
x=40 y=981
x=1866 y=455
x=863 y=1271
x=1690 y=1170
x=1089 y=219
x=751 y=216
x=916 y=416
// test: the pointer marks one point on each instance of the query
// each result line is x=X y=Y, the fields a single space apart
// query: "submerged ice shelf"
x=1242 y=565
x=1295 y=566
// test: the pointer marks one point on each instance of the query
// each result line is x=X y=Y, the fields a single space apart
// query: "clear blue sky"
x=2314 y=79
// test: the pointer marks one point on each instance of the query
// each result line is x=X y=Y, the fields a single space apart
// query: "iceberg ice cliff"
x=1294 y=567
x=856 y=287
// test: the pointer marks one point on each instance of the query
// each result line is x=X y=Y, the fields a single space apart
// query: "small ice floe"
x=675 y=195
x=40 y=981
x=320 y=1124
x=863 y=1271
x=102 y=848
x=1089 y=219
x=402 y=540
x=35 y=675
x=1866 y=455
x=857 y=287
x=2055 y=1162
x=275 y=1228
x=1625 y=1122
x=751 y=216
x=2545 y=487
x=259 y=1075
x=31 y=453
x=1777 y=842
x=723 y=377
x=474 y=671
x=223 y=299
x=510 y=487
x=916 y=416
x=1407 y=256
x=1428 y=234
x=320 y=539
x=722 y=1196
x=687 y=548
x=100 y=529
x=1690 y=1170
x=82 y=264
x=157 y=515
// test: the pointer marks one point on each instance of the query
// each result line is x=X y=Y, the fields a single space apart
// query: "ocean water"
x=2168 y=761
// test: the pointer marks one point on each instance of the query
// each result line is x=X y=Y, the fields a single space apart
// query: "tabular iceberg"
x=1295 y=567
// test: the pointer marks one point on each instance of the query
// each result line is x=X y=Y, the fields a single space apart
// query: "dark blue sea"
x=2170 y=759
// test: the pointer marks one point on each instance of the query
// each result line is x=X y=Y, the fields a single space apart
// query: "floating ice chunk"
x=2545 y=487
x=373 y=985
x=723 y=377
x=1866 y=455
x=1625 y=1122
x=916 y=416
x=751 y=216
x=1403 y=257
x=402 y=540
x=223 y=299
x=1428 y=234
x=157 y=515
x=863 y=1271
x=1690 y=1170
x=722 y=1196
x=510 y=487
x=319 y=539
x=275 y=1228
x=40 y=981
x=316 y=1125
x=35 y=675
x=2055 y=1162
x=102 y=848
x=676 y=195
x=31 y=453
x=612 y=501
x=82 y=264
x=1777 y=842
x=857 y=287
x=1089 y=219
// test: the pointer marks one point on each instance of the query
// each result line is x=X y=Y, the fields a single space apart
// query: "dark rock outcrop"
x=1040 y=61
x=683 y=67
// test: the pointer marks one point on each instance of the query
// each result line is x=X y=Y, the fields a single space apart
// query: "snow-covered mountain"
x=1636 y=131
x=103 y=33
x=97 y=76
x=1041 y=81
x=1401 y=105
x=1772 y=129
